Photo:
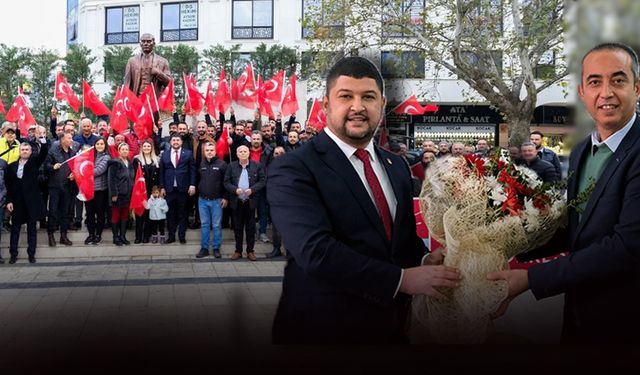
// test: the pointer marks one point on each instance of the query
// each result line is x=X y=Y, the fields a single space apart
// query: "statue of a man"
x=147 y=68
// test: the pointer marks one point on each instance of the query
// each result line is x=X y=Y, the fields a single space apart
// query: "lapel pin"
x=389 y=161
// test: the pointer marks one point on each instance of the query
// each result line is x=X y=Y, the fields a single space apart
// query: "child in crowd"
x=158 y=209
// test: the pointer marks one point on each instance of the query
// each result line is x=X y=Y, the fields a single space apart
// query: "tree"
x=115 y=62
x=77 y=67
x=42 y=65
x=268 y=60
x=497 y=47
x=182 y=59
x=216 y=57
x=13 y=61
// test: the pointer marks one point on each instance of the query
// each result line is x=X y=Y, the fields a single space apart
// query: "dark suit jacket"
x=25 y=193
x=342 y=271
x=551 y=157
x=184 y=174
x=256 y=181
x=601 y=276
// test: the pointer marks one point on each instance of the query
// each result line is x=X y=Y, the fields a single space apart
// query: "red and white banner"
x=63 y=91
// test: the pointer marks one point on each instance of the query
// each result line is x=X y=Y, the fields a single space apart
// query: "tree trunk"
x=519 y=130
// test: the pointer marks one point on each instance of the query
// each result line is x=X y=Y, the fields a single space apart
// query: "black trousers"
x=157 y=227
x=244 y=218
x=96 y=212
x=143 y=226
x=32 y=238
x=59 y=201
x=177 y=215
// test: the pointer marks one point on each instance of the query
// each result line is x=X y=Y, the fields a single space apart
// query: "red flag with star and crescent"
x=20 y=113
x=247 y=88
x=289 y=104
x=210 y=100
x=194 y=101
x=166 y=101
x=82 y=169
x=139 y=194
x=131 y=104
x=317 y=117
x=273 y=88
x=263 y=100
x=412 y=106
x=144 y=123
x=64 y=92
x=118 y=118
x=223 y=94
x=92 y=101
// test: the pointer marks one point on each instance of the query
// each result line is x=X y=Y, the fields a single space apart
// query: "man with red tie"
x=177 y=179
x=345 y=212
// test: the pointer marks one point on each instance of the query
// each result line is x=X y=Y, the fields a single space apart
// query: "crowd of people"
x=187 y=184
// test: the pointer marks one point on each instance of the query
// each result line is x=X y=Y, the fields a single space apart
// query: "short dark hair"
x=172 y=123
x=175 y=136
x=527 y=144
x=354 y=67
x=537 y=132
x=615 y=46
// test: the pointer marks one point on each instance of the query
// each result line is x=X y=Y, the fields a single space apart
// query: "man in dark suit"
x=600 y=278
x=177 y=179
x=544 y=153
x=345 y=213
x=22 y=187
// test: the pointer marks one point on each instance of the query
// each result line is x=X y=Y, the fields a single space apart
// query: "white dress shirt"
x=614 y=139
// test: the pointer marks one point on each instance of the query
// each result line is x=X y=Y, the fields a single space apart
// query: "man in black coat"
x=544 y=153
x=545 y=170
x=243 y=179
x=23 y=197
x=60 y=187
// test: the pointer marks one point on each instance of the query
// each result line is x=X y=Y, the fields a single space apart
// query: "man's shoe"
x=145 y=240
x=89 y=239
x=64 y=240
x=236 y=255
x=274 y=253
x=13 y=259
x=52 y=240
x=32 y=259
x=216 y=253
x=171 y=240
x=252 y=256
x=264 y=238
x=137 y=241
x=202 y=253
x=97 y=240
x=183 y=241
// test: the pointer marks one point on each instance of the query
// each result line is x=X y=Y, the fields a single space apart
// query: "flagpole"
x=76 y=155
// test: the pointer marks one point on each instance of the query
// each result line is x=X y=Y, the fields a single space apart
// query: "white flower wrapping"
x=484 y=212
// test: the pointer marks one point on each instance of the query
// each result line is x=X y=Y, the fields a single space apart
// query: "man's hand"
x=114 y=198
x=224 y=203
x=192 y=190
x=231 y=111
x=71 y=177
x=424 y=279
x=10 y=207
x=163 y=192
x=248 y=192
x=278 y=115
x=518 y=282
x=57 y=166
x=155 y=71
x=238 y=191
x=54 y=111
x=434 y=258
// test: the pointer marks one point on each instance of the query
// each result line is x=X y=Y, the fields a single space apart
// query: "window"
x=123 y=25
x=473 y=59
x=546 y=67
x=409 y=11
x=179 y=22
x=252 y=19
x=325 y=16
x=405 y=64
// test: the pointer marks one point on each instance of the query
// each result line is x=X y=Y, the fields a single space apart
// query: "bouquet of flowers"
x=484 y=211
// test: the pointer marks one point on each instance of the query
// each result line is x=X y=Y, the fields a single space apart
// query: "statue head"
x=147 y=42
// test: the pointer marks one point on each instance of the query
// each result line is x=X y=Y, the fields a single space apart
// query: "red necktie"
x=376 y=190
x=177 y=158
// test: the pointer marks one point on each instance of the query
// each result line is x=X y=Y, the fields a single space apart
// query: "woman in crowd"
x=98 y=205
x=121 y=177
x=148 y=161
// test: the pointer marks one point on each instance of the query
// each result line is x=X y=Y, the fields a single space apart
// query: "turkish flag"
x=64 y=92
x=289 y=104
x=131 y=104
x=139 y=194
x=234 y=89
x=223 y=94
x=166 y=101
x=82 y=169
x=92 y=101
x=20 y=113
x=2 y=110
x=263 y=101
x=412 y=106
x=118 y=119
x=273 y=87
x=247 y=88
x=317 y=117
x=222 y=145
x=194 y=99
x=144 y=123
x=210 y=100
